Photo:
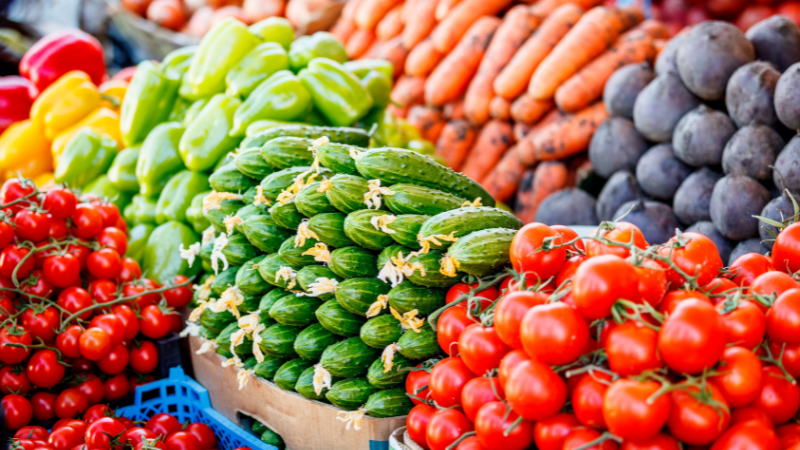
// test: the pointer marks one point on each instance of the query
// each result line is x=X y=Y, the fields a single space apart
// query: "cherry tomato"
x=65 y=438
x=87 y=222
x=567 y=271
x=744 y=325
x=778 y=397
x=740 y=379
x=155 y=322
x=148 y=444
x=60 y=202
x=674 y=298
x=568 y=234
x=481 y=349
x=136 y=434
x=129 y=320
x=580 y=436
x=470 y=443
x=477 y=392
x=103 y=291
x=130 y=270
x=99 y=433
x=44 y=406
x=14 y=335
x=623 y=232
x=554 y=333
x=692 y=338
x=6 y=307
x=417 y=423
x=694 y=422
x=629 y=413
x=718 y=288
x=80 y=252
x=549 y=433
x=537 y=265
x=13 y=380
x=36 y=287
x=750 y=435
x=698 y=256
x=116 y=388
x=491 y=423
x=652 y=282
x=163 y=424
x=6 y=233
x=587 y=398
x=783 y=319
x=115 y=361
x=92 y=388
x=789 y=434
x=58 y=229
x=114 y=238
x=70 y=403
x=600 y=282
x=535 y=391
x=510 y=311
x=415 y=381
x=632 y=348
x=445 y=427
x=104 y=263
x=750 y=413
x=32 y=432
x=773 y=282
x=203 y=433
x=140 y=286
x=82 y=365
x=44 y=370
x=109 y=213
x=112 y=325
x=182 y=440
x=144 y=358
x=94 y=344
x=15 y=189
x=97 y=412
x=17 y=411
x=786 y=249
x=659 y=442
x=748 y=267
x=68 y=342
x=448 y=378
x=61 y=270
x=486 y=297
x=10 y=258
x=180 y=297
x=509 y=363
x=31 y=225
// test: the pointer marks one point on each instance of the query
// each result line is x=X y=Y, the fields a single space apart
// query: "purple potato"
x=776 y=39
x=701 y=136
x=752 y=151
x=616 y=145
x=692 y=200
x=786 y=173
x=620 y=188
x=778 y=209
x=570 y=206
x=750 y=94
x=660 y=106
x=734 y=202
x=623 y=86
x=665 y=62
x=753 y=245
x=787 y=97
x=660 y=173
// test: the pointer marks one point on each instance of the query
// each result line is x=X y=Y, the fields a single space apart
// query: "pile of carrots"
x=510 y=93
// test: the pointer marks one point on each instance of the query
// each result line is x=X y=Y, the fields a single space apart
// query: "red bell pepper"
x=15 y=103
x=60 y=52
x=125 y=74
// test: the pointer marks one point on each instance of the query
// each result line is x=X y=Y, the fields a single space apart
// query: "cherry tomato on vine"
x=587 y=398
x=12 y=334
x=744 y=325
x=451 y=323
x=75 y=299
x=180 y=297
x=155 y=322
x=60 y=202
x=773 y=282
x=447 y=380
x=80 y=252
x=689 y=251
x=485 y=297
x=509 y=313
x=44 y=406
x=481 y=349
x=580 y=436
x=6 y=233
x=17 y=411
x=537 y=265
x=748 y=267
x=65 y=438
x=535 y=391
x=694 y=422
x=509 y=363
x=32 y=432
x=417 y=423
x=479 y=391
x=109 y=213
x=600 y=282
x=103 y=291
x=718 y=289
x=68 y=341
x=632 y=348
x=568 y=234
x=629 y=413
x=13 y=380
x=692 y=338
x=41 y=321
x=94 y=343
x=112 y=325
x=554 y=333
x=163 y=424
x=92 y=387
x=99 y=433
x=204 y=434
x=96 y=412
x=144 y=357
x=44 y=370
x=116 y=387
x=104 y=263
x=778 y=397
x=445 y=427
x=783 y=318
x=491 y=424
x=136 y=434
x=32 y=225
x=113 y=237
x=622 y=232
x=786 y=249
x=15 y=189
x=114 y=361
x=130 y=270
x=415 y=380
x=138 y=287
x=652 y=282
x=87 y=222
x=130 y=322
x=549 y=433
x=11 y=259
x=61 y=270
x=70 y=403
x=740 y=382
x=751 y=435
x=182 y=440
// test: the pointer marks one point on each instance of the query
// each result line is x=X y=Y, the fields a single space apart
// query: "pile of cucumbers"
x=342 y=251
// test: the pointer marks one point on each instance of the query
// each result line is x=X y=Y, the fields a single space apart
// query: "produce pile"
x=639 y=347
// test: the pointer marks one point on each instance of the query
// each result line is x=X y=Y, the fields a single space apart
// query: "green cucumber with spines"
x=249 y=303
x=249 y=196
x=217 y=216
x=310 y=274
x=483 y=252
x=245 y=348
x=391 y=251
x=350 y=394
x=215 y=322
x=294 y=255
x=305 y=385
x=463 y=221
x=288 y=151
x=264 y=233
x=356 y=295
x=406 y=228
x=239 y=250
x=224 y=340
x=329 y=228
x=246 y=212
x=312 y=341
x=278 y=340
x=346 y=193
x=388 y=403
x=268 y=367
x=269 y=299
x=250 y=162
x=344 y=135
x=413 y=199
x=286 y=215
x=310 y=202
x=273 y=184
x=381 y=331
x=431 y=262
x=294 y=310
x=269 y=267
x=392 y=378
x=420 y=345
x=287 y=375
x=338 y=320
x=205 y=333
x=223 y=281
x=249 y=281
x=229 y=179
x=348 y=358
x=353 y=262
x=358 y=227
x=336 y=157
x=407 y=296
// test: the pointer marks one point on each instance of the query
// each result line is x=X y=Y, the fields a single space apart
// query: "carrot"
x=529 y=110
x=394 y=52
x=544 y=8
x=349 y=10
x=391 y=25
x=492 y=141
x=408 y=91
x=408 y=10
x=452 y=28
x=397 y=111
x=455 y=141
x=503 y=179
x=372 y=50
x=454 y=110
x=654 y=29
x=513 y=79
x=521 y=129
x=428 y=121
x=422 y=59
x=342 y=29
x=587 y=85
x=562 y=138
x=500 y=108
x=443 y=8
x=536 y=185
x=370 y=12
x=517 y=26
x=590 y=37
x=451 y=77
x=420 y=24
x=358 y=43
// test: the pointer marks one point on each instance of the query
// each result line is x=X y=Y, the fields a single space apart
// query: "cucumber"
x=268 y=367
x=483 y=252
x=413 y=199
x=406 y=228
x=273 y=184
x=294 y=255
x=249 y=304
x=312 y=341
x=268 y=300
x=431 y=261
x=278 y=340
x=205 y=333
x=420 y=345
x=359 y=228
x=336 y=157
x=348 y=358
x=407 y=296
x=310 y=274
x=246 y=212
x=250 y=162
x=338 y=320
x=394 y=165
x=388 y=403
x=286 y=215
x=392 y=378
x=272 y=438
x=239 y=250
x=264 y=233
x=294 y=310
x=194 y=213
x=228 y=179
x=463 y=221
x=356 y=295
x=245 y=348
x=350 y=394
x=224 y=340
x=215 y=322
x=310 y=201
x=288 y=151
x=391 y=251
x=269 y=267
x=329 y=228
x=223 y=281
x=344 y=135
x=249 y=281
x=353 y=262
x=305 y=385
x=347 y=193
x=217 y=216
x=249 y=196
x=381 y=331
x=286 y=377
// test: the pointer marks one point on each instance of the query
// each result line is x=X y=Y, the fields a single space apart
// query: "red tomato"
x=163 y=424
x=10 y=258
x=740 y=381
x=510 y=311
x=477 y=392
x=96 y=412
x=748 y=435
x=6 y=234
x=783 y=319
x=773 y=282
x=130 y=270
x=75 y=299
x=98 y=433
x=36 y=286
x=14 y=335
x=13 y=380
x=87 y=222
x=32 y=432
x=203 y=433
x=136 y=434
x=659 y=442
x=44 y=370
x=487 y=296
x=43 y=404
x=567 y=271
x=129 y=320
x=94 y=344
x=568 y=235
x=61 y=270
x=718 y=288
x=652 y=282
x=417 y=423
x=632 y=348
x=623 y=232
x=601 y=281
x=491 y=423
x=470 y=443
x=116 y=388
x=451 y=323
x=180 y=297
x=554 y=333
x=579 y=437
x=481 y=349
x=789 y=434
x=415 y=381
x=144 y=357
x=65 y=438
x=92 y=388
x=60 y=202
x=6 y=307
x=17 y=411
x=629 y=414
x=115 y=361
x=70 y=403
x=80 y=252
x=535 y=391
x=138 y=287
x=113 y=237
x=68 y=342
x=750 y=413
x=692 y=338
x=587 y=398
x=15 y=189
x=509 y=363
x=744 y=325
x=445 y=427
x=104 y=263
x=674 y=298
x=31 y=225
x=112 y=325
x=182 y=440
x=779 y=398
x=155 y=322
x=694 y=422
x=748 y=267
x=42 y=322
x=698 y=251
x=549 y=433
x=448 y=378
x=537 y=265
x=786 y=249
x=103 y=291
x=109 y=213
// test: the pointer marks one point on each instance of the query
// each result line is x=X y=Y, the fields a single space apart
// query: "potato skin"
x=570 y=206
x=620 y=188
x=655 y=219
x=701 y=136
x=778 y=209
x=786 y=174
x=660 y=173
x=623 y=86
x=707 y=229
x=776 y=39
x=787 y=98
x=616 y=145
x=734 y=202
x=753 y=245
x=660 y=106
x=750 y=93
x=693 y=198
x=665 y=62
x=751 y=151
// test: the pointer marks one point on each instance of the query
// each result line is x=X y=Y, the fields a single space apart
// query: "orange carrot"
x=454 y=110
x=422 y=59
x=452 y=76
x=343 y=28
x=452 y=28
x=420 y=24
x=408 y=10
x=500 y=108
x=492 y=141
x=394 y=52
x=370 y=12
x=587 y=85
x=562 y=138
x=428 y=121
x=391 y=25
x=544 y=8
x=443 y=8
x=517 y=25
x=590 y=37
x=521 y=129
x=654 y=29
x=529 y=110
x=536 y=185
x=349 y=10
x=503 y=179
x=455 y=141
x=408 y=91
x=359 y=43
x=372 y=50
x=397 y=111
x=513 y=79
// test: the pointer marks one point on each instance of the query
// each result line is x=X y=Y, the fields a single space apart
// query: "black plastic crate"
x=169 y=354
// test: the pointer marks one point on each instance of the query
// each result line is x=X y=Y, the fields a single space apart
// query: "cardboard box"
x=303 y=424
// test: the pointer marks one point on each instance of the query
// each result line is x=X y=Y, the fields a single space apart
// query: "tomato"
x=130 y=322
x=745 y=325
x=783 y=318
x=629 y=413
x=35 y=285
x=537 y=265
x=180 y=297
x=82 y=365
x=138 y=287
x=750 y=413
x=17 y=411
x=632 y=348
x=114 y=238
x=652 y=282
x=579 y=437
x=487 y=296
x=6 y=234
x=99 y=433
x=61 y=270
x=155 y=322
x=31 y=225
x=80 y=252
x=549 y=433
x=510 y=311
x=75 y=299
x=601 y=281
x=451 y=323
x=6 y=307
x=60 y=202
x=44 y=370
x=116 y=388
x=104 y=263
x=144 y=357
x=718 y=288
x=448 y=378
x=491 y=423
x=163 y=424
x=699 y=256
x=535 y=391
x=786 y=249
x=415 y=380
x=659 y=442
x=32 y=432
x=58 y=228
x=674 y=298
x=568 y=269
x=87 y=222
x=623 y=232
x=131 y=270
x=94 y=344
x=16 y=189
x=109 y=213
x=477 y=392
x=103 y=291
x=694 y=422
x=554 y=333
x=182 y=440
x=68 y=341
x=115 y=361
x=112 y=325
x=692 y=338
x=481 y=349
x=587 y=398
x=470 y=443
x=147 y=444
x=65 y=438
x=13 y=380
x=748 y=267
x=14 y=335
x=445 y=427
x=43 y=404
x=740 y=379
x=136 y=434
x=778 y=397
x=70 y=403
x=568 y=234
x=41 y=321
x=10 y=258
x=97 y=412
x=203 y=433
x=509 y=363
x=789 y=434
x=417 y=422
x=92 y=388
x=773 y=282
x=748 y=435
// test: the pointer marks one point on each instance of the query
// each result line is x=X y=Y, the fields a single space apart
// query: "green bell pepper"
x=194 y=214
x=159 y=158
x=362 y=67
x=138 y=241
x=319 y=45
x=274 y=29
x=256 y=67
x=178 y=194
x=282 y=97
x=193 y=110
x=162 y=260
x=122 y=172
x=148 y=102
x=220 y=50
x=144 y=209
x=129 y=214
x=103 y=188
x=179 y=110
x=379 y=87
x=387 y=132
x=336 y=93
x=207 y=138
x=178 y=61
x=86 y=156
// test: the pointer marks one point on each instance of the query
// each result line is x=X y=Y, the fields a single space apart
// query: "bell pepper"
x=254 y=68
x=159 y=158
x=112 y=93
x=58 y=53
x=15 y=104
x=177 y=195
x=103 y=120
x=379 y=87
x=206 y=139
x=162 y=260
x=103 y=188
x=179 y=109
x=137 y=241
x=64 y=103
x=143 y=209
x=362 y=67
x=319 y=45
x=178 y=61
x=193 y=110
x=148 y=101
x=44 y=182
x=386 y=132
x=24 y=149
x=194 y=213
x=281 y=97
x=336 y=93
x=221 y=48
x=122 y=173
x=274 y=29
x=86 y=156
x=125 y=74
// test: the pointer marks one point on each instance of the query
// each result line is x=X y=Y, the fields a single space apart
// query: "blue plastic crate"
x=185 y=399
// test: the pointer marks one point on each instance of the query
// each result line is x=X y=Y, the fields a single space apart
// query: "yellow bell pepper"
x=113 y=92
x=45 y=181
x=24 y=149
x=103 y=120
x=65 y=102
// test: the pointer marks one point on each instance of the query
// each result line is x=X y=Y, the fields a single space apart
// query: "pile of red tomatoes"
x=607 y=343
